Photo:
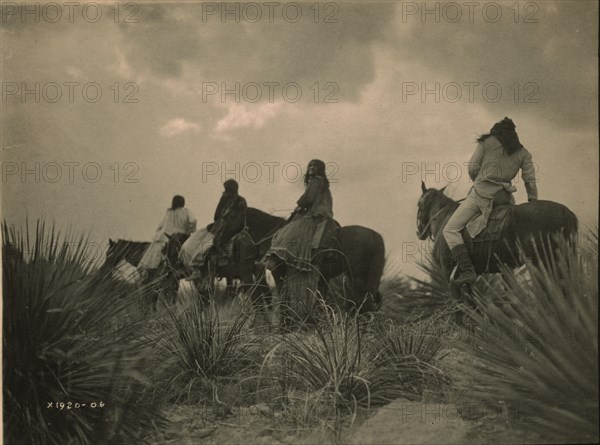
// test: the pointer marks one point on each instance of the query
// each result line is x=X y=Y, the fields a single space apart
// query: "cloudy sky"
x=107 y=113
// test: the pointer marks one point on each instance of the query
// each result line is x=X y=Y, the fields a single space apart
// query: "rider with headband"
x=496 y=162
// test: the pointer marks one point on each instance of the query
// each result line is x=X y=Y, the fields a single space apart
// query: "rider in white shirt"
x=177 y=219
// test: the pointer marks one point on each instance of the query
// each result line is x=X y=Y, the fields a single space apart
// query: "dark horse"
x=239 y=259
x=360 y=253
x=130 y=251
x=167 y=274
x=532 y=226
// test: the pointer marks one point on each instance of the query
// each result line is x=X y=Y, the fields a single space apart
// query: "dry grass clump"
x=535 y=345
x=69 y=377
x=349 y=364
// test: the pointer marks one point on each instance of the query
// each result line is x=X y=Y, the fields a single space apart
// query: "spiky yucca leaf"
x=536 y=346
x=410 y=299
x=396 y=291
x=351 y=362
x=415 y=350
x=205 y=346
x=59 y=346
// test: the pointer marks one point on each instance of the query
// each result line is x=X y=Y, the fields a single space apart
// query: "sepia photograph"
x=326 y=222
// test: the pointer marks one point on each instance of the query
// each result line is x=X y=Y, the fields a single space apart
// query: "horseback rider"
x=193 y=253
x=230 y=197
x=230 y=201
x=177 y=220
x=294 y=242
x=496 y=162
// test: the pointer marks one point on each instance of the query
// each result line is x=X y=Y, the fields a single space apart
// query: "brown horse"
x=528 y=230
x=165 y=279
x=360 y=253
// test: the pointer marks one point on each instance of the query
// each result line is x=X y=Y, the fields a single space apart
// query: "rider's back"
x=496 y=168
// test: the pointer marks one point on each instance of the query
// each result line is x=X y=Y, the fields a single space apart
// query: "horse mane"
x=128 y=250
x=449 y=202
x=126 y=246
x=130 y=242
x=262 y=224
x=254 y=212
x=446 y=201
x=436 y=199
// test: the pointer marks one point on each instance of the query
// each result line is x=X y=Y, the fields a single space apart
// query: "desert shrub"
x=69 y=376
x=205 y=346
x=348 y=363
x=535 y=345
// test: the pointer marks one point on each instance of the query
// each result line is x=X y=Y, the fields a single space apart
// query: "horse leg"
x=210 y=287
x=278 y=269
x=175 y=276
x=228 y=287
x=154 y=291
x=259 y=294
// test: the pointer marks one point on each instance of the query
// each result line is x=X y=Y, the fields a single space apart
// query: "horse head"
x=120 y=249
x=427 y=209
x=113 y=254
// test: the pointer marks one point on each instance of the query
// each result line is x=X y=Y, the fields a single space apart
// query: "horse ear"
x=443 y=188
x=111 y=242
x=423 y=188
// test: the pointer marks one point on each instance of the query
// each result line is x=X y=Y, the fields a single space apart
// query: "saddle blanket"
x=323 y=234
x=153 y=255
x=487 y=244
x=495 y=225
x=127 y=272
x=194 y=250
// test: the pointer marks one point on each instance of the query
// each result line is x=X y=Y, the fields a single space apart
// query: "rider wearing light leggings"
x=496 y=162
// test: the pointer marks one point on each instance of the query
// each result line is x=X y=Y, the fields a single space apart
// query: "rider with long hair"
x=177 y=220
x=496 y=162
x=294 y=243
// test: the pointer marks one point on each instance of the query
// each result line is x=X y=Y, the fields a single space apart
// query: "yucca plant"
x=535 y=345
x=69 y=377
x=414 y=351
x=205 y=346
x=353 y=363
x=396 y=290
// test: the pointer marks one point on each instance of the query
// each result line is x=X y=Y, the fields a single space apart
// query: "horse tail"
x=376 y=269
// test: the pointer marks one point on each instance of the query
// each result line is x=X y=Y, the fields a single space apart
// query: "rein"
x=247 y=230
x=420 y=233
x=268 y=237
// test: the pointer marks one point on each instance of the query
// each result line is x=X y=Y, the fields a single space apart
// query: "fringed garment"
x=297 y=242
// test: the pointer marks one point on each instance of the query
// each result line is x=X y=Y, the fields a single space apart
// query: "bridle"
x=246 y=230
x=420 y=233
x=423 y=231
x=266 y=238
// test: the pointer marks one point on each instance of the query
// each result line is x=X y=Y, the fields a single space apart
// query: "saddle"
x=486 y=244
x=173 y=247
x=495 y=225
x=242 y=247
x=325 y=234
x=179 y=238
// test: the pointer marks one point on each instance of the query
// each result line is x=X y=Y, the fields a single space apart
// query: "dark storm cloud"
x=169 y=40
x=558 y=53
x=370 y=133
